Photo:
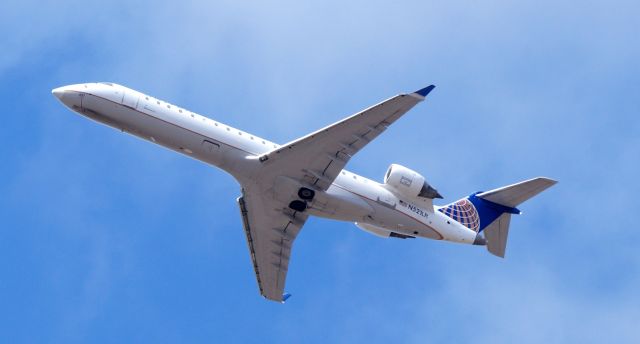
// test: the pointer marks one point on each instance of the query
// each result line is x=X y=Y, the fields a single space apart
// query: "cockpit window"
x=107 y=83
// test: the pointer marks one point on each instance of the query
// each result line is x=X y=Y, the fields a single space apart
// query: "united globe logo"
x=464 y=212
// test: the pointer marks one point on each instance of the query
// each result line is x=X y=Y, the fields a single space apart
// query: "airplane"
x=282 y=185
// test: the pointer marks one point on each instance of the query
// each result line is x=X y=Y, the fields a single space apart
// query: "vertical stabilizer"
x=496 y=235
x=490 y=212
x=497 y=232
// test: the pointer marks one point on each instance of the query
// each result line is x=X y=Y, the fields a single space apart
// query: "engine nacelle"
x=408 y=183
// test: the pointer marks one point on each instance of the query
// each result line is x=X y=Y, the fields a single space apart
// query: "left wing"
x=271 y=229
x=316 y=159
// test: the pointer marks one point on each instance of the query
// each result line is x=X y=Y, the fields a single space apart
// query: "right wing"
x=271 y=229
x=314 y=160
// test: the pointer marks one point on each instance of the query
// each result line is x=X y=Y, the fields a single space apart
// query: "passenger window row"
x=204 y=119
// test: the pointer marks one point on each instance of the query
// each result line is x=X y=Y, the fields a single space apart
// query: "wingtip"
x=550 y=181
x=285 y=297
x=424 y=91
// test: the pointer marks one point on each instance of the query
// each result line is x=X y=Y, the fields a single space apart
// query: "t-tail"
x=490 y=212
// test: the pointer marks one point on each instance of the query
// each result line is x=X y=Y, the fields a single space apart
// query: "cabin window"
x=192 y=116
x=216 y=124
x=146 y=98
x=240 y=133
x=180 y=110
x=251 y=137
x=228 y=129
x=264 y=143
x=168 y=106
x=158 y=102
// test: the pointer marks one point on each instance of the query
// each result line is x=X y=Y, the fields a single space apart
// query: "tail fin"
x=491 y=211
x=496 y=235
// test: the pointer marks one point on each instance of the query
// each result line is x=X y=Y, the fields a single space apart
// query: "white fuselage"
x=350 y=198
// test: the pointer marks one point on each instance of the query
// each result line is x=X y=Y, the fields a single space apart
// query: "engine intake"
x=409 y=183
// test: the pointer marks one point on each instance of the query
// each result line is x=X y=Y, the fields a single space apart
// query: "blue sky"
x=106 y=238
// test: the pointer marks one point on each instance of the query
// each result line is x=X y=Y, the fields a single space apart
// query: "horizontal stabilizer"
x=514 y=194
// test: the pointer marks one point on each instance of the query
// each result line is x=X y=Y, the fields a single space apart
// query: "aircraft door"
x=130 y=99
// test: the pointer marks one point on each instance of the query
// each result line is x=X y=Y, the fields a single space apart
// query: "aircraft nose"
x=68 y=96
x=58 y=92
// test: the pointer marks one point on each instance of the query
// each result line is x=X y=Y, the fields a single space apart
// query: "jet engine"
x=408 y=183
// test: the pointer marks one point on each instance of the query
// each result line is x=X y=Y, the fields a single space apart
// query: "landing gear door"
x=213 y=152
x=210 y=147
x=130 y=99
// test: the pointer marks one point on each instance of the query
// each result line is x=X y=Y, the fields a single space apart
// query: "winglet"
x=285 y=296
x=423 y=92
